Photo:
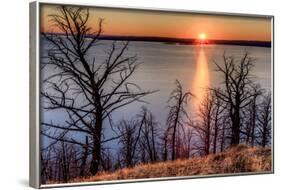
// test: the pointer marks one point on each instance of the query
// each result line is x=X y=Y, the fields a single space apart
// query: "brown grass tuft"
x=234 y=160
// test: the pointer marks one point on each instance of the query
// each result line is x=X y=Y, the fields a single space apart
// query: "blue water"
x=161 y=64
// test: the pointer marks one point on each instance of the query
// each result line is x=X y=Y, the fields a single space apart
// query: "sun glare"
x=202 y=36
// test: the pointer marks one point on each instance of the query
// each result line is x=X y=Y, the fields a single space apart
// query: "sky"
x=126 y=22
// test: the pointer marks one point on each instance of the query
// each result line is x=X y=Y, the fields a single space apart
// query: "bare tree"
x=237 y=89
x=84 y=157
x=139 y=139
x=177 y=114
x=225 y=132
x=46 y=165
x=64 y=161
x=264 y=121
x=87 y=91
x=188 y=140
x=107 y=160
x=131 y=131
x=250 y=115
x=218 y=115
x=149 y=135
x=184 y=143
x=164 y=146
x=204 y=125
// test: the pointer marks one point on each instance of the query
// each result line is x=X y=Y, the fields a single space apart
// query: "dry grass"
x=235 y=160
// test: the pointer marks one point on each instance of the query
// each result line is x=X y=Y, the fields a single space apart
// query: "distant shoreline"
x=183 y=41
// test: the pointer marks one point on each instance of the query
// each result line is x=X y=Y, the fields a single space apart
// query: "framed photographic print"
x=122 y=94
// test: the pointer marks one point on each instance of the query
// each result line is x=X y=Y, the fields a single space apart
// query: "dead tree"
x=107 y=160
x=139 y=139
x=264 y=121
x=187 y=139
x=219 y=108
x=177 y=114
x=250 y=115
x=63 y=162
x=128 y=142
x=184 y=143
x=84 y=157
x=46 y=165
x=88 y=90
x=225 y=132
x=164 y=141
x=204 y=125
x=237 y=89
x=149 y=134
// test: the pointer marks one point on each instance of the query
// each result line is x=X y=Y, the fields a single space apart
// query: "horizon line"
x=184 y=41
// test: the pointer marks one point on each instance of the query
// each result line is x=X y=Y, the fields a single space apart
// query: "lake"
x=162 y=64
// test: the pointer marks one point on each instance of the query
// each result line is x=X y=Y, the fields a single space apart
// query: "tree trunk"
x=253 y=122
x=207 y=138
x=215 y=133
x=153 y=144
x=222 y=141
x=96 y=154
x=235 y=140
x=165 y=154
x=188 y=150
x=265 y=131
x=96 y=157
x=84 y=158
x=64 y=164
x=174 y=132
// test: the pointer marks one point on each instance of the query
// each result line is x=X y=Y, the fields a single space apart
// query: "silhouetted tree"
x=64 y=159
x=149 y=135
x=177 y=114
x=184 y=143
x=107 y=160
x=218 y=123
x=128 y=141
x=204 y=125
x=164 y=145
x=225 y=132
x=46 y=165
x=237 y=89
x=138 y=142
x=188 y=142
x=250 y=115
x=264 y=121
x=210 y=126
x=86 y=90
x=84 y=157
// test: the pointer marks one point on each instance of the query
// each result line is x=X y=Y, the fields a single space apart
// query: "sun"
x=202 y=36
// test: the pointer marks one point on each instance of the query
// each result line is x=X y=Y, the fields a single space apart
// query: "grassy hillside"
x=235 y=160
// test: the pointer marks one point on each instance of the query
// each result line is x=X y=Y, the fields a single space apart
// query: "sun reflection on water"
x=201 y=79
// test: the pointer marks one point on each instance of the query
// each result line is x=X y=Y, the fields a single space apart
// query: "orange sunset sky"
x=169 y=24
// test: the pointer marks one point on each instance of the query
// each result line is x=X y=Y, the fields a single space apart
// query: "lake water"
x=162 y=64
